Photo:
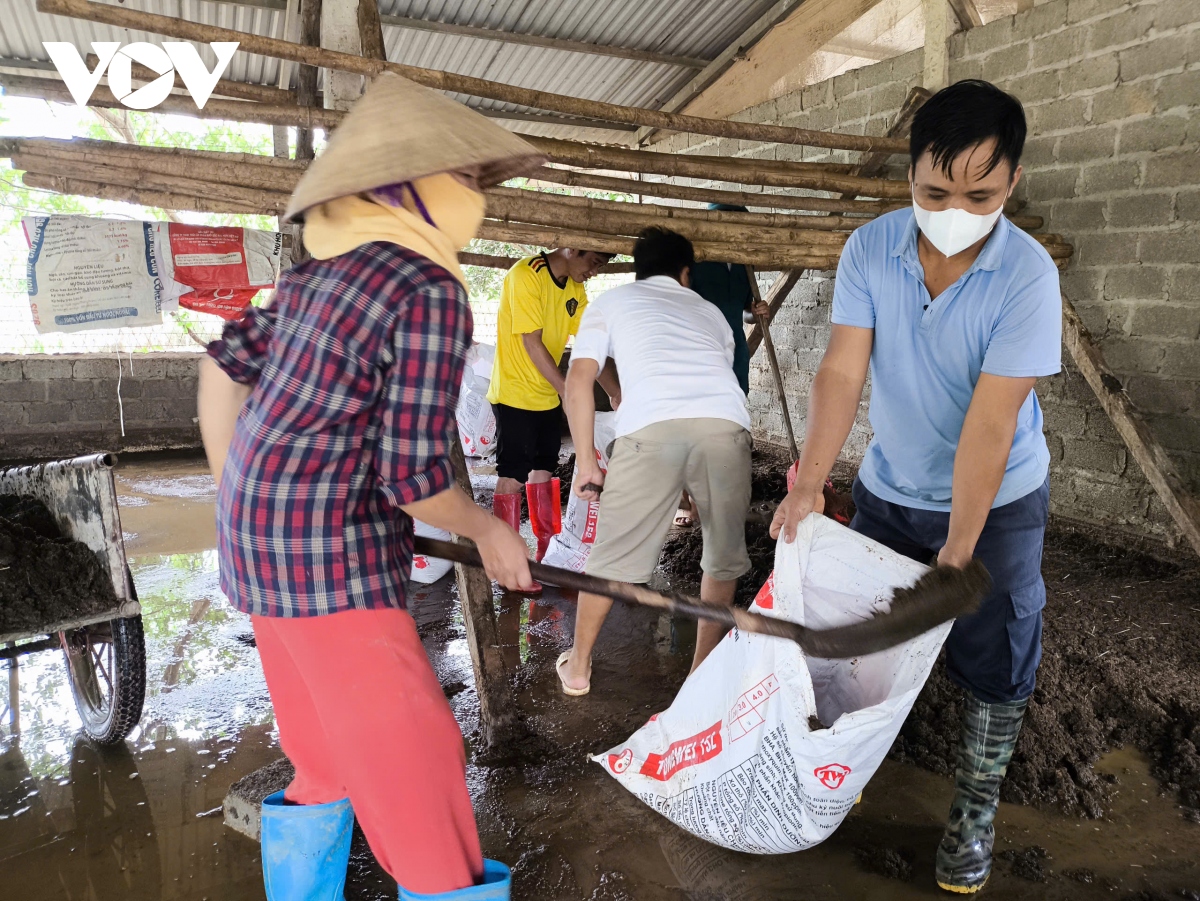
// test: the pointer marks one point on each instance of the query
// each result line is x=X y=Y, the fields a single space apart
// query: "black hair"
x=964 y=115
x=728 y=208
x=660 y=251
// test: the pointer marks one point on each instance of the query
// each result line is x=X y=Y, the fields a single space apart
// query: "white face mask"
x=953 y=231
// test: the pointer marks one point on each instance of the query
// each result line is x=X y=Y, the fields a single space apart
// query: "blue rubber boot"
x=497 y=880
x=305 y=849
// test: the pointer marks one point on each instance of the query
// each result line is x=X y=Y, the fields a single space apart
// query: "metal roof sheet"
x=696 y=28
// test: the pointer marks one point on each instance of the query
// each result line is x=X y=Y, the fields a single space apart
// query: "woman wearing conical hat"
x=327 y=419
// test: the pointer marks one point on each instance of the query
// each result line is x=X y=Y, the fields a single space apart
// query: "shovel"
x=942 y=594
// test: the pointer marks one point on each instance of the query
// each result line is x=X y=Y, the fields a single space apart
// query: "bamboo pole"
x=669 y=191
x=766 y=220
x=229 y=110
x=244 y=169
x=662 y=211
x=268 y=202
x=491 y=261
x=127 y=194
x=226 y=87
x=810 y=176
x=766 y=257
x=538 y=209
x=477 y=87
x=716 y=168
x=1153 y=459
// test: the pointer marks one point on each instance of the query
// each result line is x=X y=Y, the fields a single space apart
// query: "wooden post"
x=306 y=77
x=1131 y=426
x=339 y=31
x=937 y=35
x=773 y=361
x=497 y=708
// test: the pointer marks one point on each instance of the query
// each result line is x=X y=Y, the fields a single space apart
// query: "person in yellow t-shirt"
x=541 y=303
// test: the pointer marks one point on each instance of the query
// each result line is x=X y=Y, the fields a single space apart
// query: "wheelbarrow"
x=105 y=651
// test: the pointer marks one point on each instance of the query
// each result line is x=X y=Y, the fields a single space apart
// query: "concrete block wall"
x=61 y=405
x=1112 y=92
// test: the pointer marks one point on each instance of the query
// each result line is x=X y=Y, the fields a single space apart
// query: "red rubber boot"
x=545 y=512
x=507 y=507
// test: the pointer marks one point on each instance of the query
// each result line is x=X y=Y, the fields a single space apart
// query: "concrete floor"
x=143 y=822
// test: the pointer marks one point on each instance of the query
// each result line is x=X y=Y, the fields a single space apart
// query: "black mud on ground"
x=1120 y=665
x=44 y=578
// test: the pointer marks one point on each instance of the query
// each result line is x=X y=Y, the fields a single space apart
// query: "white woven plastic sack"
x=476 y=421
x=428 y=570
x=569 y=549
x=734 y=760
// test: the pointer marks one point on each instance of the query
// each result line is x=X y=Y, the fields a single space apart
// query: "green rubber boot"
x=985 y=746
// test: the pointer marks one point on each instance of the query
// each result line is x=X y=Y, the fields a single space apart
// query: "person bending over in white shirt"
x=682 y=424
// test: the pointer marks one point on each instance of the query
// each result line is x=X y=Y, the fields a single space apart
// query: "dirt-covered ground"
x=1120 y=665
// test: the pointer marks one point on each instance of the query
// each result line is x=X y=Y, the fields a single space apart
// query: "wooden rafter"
x=967 y=13
x=171 y=26
x=736 y=49
x=760 y=72
x=1153 y=459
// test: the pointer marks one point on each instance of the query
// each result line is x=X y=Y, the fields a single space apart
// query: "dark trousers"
x=993 y=654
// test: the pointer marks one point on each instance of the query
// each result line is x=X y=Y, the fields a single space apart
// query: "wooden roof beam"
x=736 y=50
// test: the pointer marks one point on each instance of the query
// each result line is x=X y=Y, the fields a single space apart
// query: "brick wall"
x=60 y=405
x=1112 y=92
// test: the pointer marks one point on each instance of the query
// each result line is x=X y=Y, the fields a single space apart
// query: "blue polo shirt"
x=1003 y=317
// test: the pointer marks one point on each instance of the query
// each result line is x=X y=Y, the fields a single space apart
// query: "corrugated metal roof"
x=696 y=28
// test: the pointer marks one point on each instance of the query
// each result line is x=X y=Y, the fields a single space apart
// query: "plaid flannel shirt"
x=355 y=368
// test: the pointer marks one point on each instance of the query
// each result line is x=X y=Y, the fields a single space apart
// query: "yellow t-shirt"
x=530 y=300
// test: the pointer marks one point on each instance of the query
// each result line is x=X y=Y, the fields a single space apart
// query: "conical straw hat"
x=399 y=131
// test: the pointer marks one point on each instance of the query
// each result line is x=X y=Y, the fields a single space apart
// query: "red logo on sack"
x=420 y=562
x=620 y=763
x=765 y=599
x=683 y=754
x=832 y=775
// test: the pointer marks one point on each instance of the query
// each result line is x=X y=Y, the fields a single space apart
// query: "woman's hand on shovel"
x=505 y=556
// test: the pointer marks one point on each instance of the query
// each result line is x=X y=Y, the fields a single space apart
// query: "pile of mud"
x=1119 y=667
x=45 y=578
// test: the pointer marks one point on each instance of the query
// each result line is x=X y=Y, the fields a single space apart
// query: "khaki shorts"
x=647 y=473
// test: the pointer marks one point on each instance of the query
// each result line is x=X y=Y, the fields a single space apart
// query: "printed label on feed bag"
x=759 y=804
x=688 y=752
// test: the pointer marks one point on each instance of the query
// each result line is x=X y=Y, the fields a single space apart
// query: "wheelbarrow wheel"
x=106 y=664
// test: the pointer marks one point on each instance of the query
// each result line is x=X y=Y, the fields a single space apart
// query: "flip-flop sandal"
x=568 y=690
x=684 y=519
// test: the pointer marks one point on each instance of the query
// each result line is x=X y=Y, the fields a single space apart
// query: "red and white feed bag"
x=476 y=421
x=733 y=760
x=569 y=549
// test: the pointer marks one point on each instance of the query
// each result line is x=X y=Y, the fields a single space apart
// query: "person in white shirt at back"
x=682 y=424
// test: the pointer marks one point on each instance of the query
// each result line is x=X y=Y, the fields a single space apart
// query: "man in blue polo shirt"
x=957 y=313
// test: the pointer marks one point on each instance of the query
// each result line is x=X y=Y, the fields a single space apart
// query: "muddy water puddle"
x=143 y=821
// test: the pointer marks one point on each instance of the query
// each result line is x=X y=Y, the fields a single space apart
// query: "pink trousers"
x=361 y=715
